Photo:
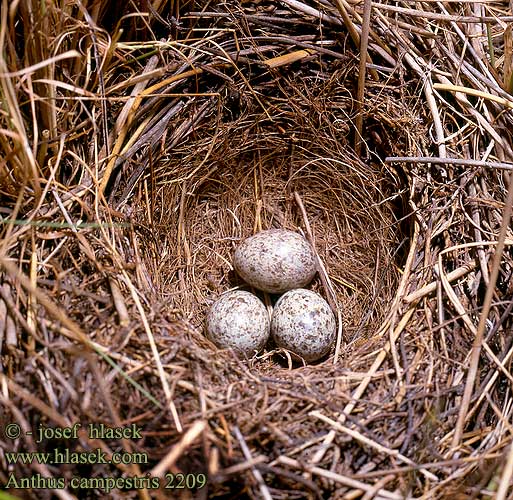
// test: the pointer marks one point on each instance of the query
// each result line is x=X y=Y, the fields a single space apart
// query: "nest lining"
x=245 y=180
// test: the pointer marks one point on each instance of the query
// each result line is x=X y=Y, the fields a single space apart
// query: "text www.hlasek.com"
x=71 y=457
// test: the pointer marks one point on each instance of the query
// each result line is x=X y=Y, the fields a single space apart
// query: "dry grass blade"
x=436 y=160
x=156 y=355
x=372 y=370
x=174 y=454
x=266 y=495
x=324 y=276
x=362 y=74
x=478 y=93
x=483 y=319
x=338 y=478
x=297 y=55
x=507 y=475
x=369 y=442
x=431 y=287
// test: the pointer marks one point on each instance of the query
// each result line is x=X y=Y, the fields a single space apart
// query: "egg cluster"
x=274 y=261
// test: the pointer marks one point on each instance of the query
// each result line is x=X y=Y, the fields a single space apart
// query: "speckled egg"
x=303 y=322
x=275 y=261
x=240 y=321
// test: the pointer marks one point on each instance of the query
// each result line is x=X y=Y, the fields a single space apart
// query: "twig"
x=179 y=448
x=441 y=17
x=256 y=473
x=310 y=11
x=326 y=281
x=478 y=340
x=238 y=468
x=430 y=98
x=369 y=442
x=373 y=492
x=360 y=390
x=155 y=352
x=338 y=478
x=449 y=161
x=27 y=433
x=119 y=303
x=478 y=93
x=278 y=471
x=362 y=71
x=505 y=482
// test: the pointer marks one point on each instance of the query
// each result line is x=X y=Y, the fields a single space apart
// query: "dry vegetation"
x=139 y=146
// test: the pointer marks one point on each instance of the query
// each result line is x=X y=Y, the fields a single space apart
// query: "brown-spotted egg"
x=238 y=320
x=275 y=261
x=303 y=323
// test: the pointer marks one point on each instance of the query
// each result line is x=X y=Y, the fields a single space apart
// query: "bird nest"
x=138 y=154
x=218 y=190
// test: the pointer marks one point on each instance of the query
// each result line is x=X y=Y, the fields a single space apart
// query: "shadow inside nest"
x=235 y=178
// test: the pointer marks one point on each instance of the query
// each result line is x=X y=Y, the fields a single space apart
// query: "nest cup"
x=248 y=183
